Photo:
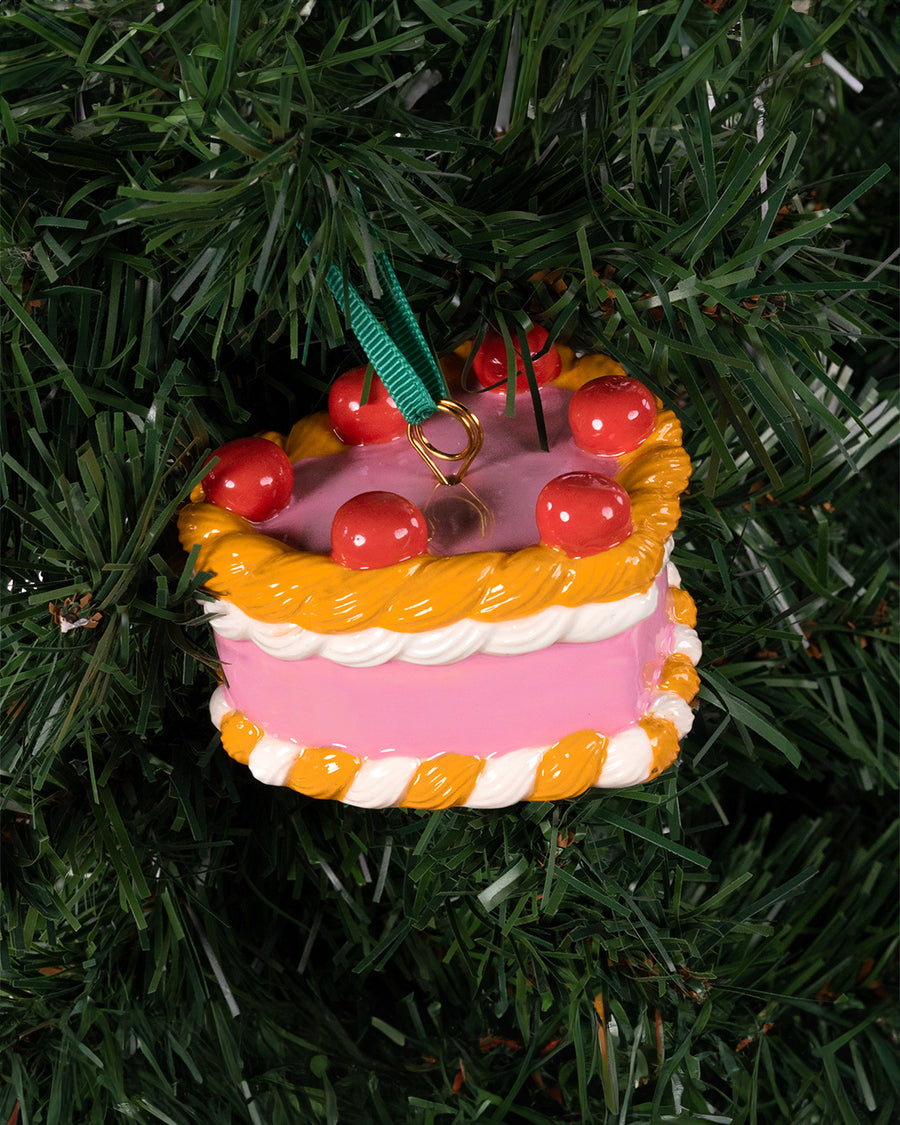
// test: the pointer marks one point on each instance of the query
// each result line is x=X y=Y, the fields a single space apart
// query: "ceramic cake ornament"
x=416 y=605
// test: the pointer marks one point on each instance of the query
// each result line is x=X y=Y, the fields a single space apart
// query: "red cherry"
x=377 y=529
x=489 y=362
x=583 y=514
x=378 y=420
x=612 y=415
x=253 y=477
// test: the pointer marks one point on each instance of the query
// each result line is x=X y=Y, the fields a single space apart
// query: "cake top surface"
x=484 y=557
x=493 y=509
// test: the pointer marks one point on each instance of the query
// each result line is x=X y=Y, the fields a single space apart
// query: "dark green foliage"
x=182 y=944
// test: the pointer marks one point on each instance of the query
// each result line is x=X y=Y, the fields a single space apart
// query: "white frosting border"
x=595 y=621
x=507 y=778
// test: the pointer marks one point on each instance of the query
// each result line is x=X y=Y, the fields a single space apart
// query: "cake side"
x=639 y=737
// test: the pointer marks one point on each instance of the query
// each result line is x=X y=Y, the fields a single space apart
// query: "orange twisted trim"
x=684 y=611
x=680 y=677
x=567 y=769
x=273 y=582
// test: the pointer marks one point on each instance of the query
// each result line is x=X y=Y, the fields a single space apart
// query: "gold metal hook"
x=465 y=457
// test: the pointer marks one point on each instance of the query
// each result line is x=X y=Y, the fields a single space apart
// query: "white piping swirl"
x=596 y=621
x=686 y=642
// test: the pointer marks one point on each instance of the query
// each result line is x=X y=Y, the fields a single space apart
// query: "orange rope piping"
x=567 y=769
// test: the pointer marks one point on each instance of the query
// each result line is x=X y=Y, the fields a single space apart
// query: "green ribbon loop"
x=400 y=355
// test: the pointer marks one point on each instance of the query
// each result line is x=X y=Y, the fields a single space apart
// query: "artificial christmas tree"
x=701 y=192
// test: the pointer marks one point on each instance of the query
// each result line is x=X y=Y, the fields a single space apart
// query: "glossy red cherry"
x=377 y=529
x=253 y=477
x=489 y=362
x=612 y=415
x=356 y=423
x=583 y=514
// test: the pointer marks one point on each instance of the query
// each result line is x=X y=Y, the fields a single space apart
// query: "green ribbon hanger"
x=400 y=355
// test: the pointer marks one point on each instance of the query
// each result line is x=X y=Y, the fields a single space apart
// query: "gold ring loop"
x=427 y=451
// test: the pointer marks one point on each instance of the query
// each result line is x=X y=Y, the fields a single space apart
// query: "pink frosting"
x=484 y=705
x=505 y=477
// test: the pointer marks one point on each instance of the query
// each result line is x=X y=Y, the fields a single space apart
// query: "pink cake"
x=514 y=646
